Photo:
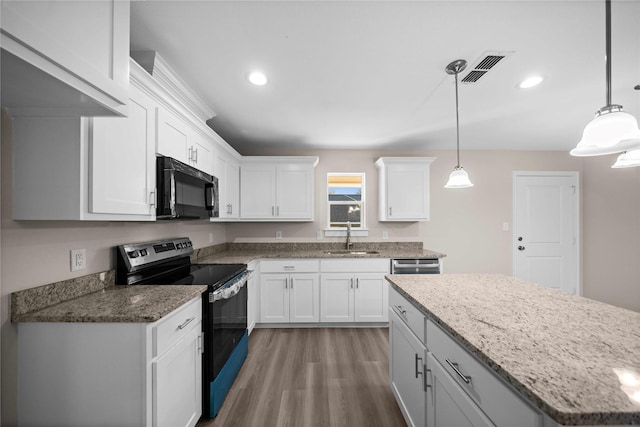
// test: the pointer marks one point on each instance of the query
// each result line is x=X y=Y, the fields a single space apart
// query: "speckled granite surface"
x=558 y=350
x=126 y=304
x=247 y=252
x=93 y=299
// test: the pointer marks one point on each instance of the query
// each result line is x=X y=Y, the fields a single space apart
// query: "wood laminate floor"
x=312 y=377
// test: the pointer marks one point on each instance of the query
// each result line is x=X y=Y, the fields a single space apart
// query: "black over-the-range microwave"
x=184 y=192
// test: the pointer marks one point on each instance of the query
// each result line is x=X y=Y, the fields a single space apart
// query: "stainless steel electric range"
x=224 y=305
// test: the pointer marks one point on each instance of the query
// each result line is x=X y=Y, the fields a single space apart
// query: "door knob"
x=521 y=248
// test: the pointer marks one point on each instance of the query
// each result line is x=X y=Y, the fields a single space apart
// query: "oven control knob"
x=133 y=254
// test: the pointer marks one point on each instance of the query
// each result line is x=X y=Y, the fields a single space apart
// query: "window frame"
x=341 y=230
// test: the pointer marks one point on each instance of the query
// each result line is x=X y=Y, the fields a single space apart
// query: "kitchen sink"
x=351 y=252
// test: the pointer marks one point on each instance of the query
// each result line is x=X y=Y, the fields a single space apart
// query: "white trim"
x=576 y=216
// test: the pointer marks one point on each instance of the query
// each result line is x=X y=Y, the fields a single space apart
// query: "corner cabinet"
x=403 y=188
x=80 y=168
x=112 y=374
x=65 y=58
x=277 y=188
x=227 y=169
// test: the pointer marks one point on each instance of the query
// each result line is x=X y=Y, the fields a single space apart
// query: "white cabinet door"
x=274 y=298
x=177 y=384
x=173 y=136
x=371 y=298
x=304 y=298
x=200 y=153
x=253 y=296
x=406 y=372
x=227 y=170
x=67 y=57
x=450 y=405
x=129 y=143
x=336 y=292
x=294 y=200
x=257 y=191
x=403 y=188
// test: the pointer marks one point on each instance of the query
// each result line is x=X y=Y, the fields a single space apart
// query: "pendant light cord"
x=608 y=48
x=457 y=125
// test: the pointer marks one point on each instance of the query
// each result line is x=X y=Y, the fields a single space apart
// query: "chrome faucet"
x=349 y=244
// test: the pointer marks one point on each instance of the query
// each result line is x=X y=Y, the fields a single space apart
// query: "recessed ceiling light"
x=258 y=78
x=530 y=82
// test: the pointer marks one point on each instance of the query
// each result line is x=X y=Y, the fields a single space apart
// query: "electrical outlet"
x=319 y=235
x=210 y=237
x=505 y=226
x=78 y=259
x=385 y=235
x=278 y=235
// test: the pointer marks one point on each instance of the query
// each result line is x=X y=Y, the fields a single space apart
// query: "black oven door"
x=227 y=321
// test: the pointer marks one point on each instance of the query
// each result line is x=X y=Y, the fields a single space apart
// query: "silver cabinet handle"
x=286 y=283
x=390 y=211
x=195 y=155
x=352 y=283
x=273 y=211
x=292 y=283
x=426 y=382
x=186 y=322
x=401 y=310
x=417 y=370
x=277 y=210
x=289 y=267
x=357 y=282
x=454 y=366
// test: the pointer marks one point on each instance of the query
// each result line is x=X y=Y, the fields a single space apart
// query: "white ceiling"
x=360 y=74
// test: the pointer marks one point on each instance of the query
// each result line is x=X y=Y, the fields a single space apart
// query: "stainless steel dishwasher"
x=416 y=266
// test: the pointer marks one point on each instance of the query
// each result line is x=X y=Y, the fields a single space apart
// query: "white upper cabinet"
x=79 y=168
x=403 y=186
x=227 y=170
x=277 y=188
x=173 y=139
x=65 y=58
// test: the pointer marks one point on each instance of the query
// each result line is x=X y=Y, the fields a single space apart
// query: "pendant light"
x=628 y=159
x=459 y=177
x=612 y=130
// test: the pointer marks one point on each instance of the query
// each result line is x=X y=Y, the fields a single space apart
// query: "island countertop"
x=561 y=352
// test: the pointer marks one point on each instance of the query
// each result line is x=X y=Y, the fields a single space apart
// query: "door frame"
x=576 y=218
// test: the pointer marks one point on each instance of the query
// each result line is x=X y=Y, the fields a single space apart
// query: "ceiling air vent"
x=486 y=62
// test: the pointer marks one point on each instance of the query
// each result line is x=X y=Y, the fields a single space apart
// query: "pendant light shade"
x=612 y=130
x=628 y=159
x=609 y=132
x=459 y=178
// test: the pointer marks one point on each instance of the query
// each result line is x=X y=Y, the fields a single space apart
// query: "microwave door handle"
x=208 y=196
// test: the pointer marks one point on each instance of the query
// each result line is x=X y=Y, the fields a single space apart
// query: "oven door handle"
x=231 y=290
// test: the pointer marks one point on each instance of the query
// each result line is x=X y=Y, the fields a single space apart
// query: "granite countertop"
x=125 y=304
x=560 y=351
x=245 y=253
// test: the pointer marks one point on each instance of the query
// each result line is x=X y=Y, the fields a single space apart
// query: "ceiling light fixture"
x=459 y=178
x=628 y=159
x=530 y=82
x=612 y=130
x=258 y=78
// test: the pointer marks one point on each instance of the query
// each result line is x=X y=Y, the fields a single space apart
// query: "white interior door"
x=545 y=229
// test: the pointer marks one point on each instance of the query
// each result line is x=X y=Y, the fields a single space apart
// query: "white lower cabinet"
x=354 y=290
x=449 y=404
x=112 y=374
x=438 y=383
x=407 y=371
x=252 y=296
x=289 y=297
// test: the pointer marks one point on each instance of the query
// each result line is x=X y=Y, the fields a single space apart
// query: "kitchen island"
x=574 y=359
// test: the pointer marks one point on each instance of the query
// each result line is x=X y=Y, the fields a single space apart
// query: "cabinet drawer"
x=176 y=325
x=501 y=404
x=355 y=265
x=407 y=312
x=289 y=266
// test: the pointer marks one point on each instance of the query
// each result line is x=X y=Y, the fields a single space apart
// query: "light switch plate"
x=278 y=235
x=78 y=259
